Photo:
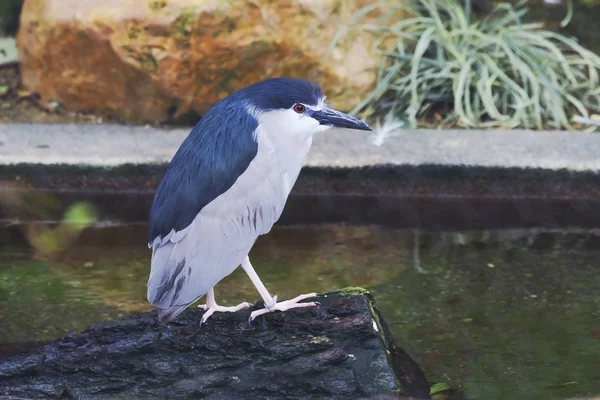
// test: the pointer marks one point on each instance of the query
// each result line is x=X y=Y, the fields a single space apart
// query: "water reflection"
x=498 y=314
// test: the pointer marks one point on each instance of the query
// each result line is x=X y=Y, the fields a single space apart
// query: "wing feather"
x=189 y=260
x=208 y=162
x=186 y=265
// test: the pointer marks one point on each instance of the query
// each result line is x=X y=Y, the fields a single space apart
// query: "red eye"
x=299 y=108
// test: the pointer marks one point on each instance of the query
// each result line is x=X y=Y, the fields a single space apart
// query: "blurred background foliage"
x=50 y=226
x=453 y=63
x=452 y=66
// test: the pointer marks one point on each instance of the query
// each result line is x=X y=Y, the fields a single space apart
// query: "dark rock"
x=10 y=11
x=340 y=350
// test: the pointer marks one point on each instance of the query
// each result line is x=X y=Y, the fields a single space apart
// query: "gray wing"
x=186 y=264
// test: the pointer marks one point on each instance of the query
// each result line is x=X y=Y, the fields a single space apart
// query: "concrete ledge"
x=113 y=145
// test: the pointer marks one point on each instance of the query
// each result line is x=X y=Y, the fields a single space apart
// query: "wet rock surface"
x=339 y=350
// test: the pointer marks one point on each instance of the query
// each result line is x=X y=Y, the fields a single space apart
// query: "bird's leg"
x=271 y=303
x=211 y=306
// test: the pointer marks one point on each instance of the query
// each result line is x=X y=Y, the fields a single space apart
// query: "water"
x=511 y=314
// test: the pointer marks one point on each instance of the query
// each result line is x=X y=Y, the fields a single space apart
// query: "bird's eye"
x=299 y=108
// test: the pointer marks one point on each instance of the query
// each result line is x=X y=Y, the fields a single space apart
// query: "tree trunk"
x=341 y=349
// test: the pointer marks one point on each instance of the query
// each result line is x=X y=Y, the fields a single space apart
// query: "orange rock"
x=146 y=59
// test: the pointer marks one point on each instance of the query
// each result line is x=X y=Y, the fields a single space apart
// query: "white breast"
x=225 y=230
x=285 y=155
x=261 y=192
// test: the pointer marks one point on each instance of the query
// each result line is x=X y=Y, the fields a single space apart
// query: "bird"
x=226 y=185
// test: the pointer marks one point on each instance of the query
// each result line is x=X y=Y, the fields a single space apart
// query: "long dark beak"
x=330 y=117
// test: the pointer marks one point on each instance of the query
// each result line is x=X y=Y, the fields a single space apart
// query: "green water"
x=496 y=315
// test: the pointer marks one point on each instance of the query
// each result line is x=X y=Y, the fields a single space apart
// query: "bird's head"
x=295 y=106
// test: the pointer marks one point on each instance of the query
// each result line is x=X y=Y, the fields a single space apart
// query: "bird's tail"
x=166 y=315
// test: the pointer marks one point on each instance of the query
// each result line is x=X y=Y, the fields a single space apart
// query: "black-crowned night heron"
x=226 y=185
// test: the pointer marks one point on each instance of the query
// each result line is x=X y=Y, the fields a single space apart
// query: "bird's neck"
x=289 y=152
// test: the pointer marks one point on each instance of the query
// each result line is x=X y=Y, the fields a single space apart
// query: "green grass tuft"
x=493 y=72
x=353 y=291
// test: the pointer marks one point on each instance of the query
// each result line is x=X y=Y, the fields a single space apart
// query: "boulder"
x=151 y=60
x=339 y=350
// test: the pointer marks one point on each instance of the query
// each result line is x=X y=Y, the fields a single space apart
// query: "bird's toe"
x=240 y=306
x=210 y=310
x=285 y=306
